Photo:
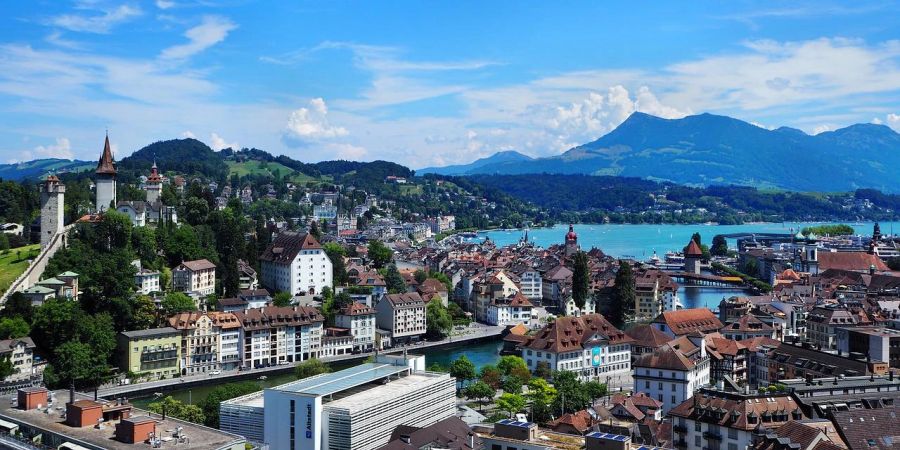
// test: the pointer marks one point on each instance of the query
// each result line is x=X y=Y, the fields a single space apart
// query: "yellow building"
x=153 y=352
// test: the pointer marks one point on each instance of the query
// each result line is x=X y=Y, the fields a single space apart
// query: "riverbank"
x=480 y=333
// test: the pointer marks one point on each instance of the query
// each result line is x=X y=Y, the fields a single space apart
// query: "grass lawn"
x=267 y=168
x=410 y=189
x=11 y=265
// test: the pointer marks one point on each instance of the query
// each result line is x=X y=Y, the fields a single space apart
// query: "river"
x=481 y=353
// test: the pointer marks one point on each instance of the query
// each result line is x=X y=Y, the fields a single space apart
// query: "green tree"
x=480 y=392
x=328 y=308
x=594 y=389
x=623 y=295
x=210 y=404
x=581 y=279
x=571 y=395
x=315 y=231
x=145 y=314
x=74 y=363
x=176 y=302
x=6 y=368
x=165 y=279
x=14 y=328
x=379 y=254
x=393 y=281
x=510 y=403
x=542 y=370
x=195 y=210
x=463 y=370
x=541 y=396
x=170 y=407
x=282 y=299
x=17 y=305
x=311 y=367
x=420 y=276
x=509 y=363
x=719 y=246
x=336 y=255
x=491 y=375
x=437 y=320
x=144 y=243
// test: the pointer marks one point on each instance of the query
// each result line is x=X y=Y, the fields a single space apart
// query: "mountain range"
x=707 y=149
x=41 y=167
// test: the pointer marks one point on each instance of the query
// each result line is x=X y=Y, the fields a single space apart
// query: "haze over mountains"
x=708 y=149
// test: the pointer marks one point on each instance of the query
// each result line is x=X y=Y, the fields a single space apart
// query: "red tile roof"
x=196 y=265
x=856 y=261
x=686 y=321
x=288 y=245
x=693 y=249
x=738 y=411
x=570 y=333
x=105 y=165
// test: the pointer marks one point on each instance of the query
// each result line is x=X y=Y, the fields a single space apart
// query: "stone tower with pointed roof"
x=571 y=241
x=105 y=180
x=692 y=256
x=52 y=197
x=153 y=185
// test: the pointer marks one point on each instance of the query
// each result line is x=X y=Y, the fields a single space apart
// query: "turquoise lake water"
x=640 y=241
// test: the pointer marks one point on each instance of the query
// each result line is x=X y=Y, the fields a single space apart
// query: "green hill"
x=38 y=168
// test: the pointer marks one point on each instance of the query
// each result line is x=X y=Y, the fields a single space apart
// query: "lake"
x=640 y=241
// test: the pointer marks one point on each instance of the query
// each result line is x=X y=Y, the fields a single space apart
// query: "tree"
x=438 y=322
x=379 y=254
x=542 y=370
x=176 y=302
x=144 y=313
x=462 y=369
x=696 y=238
x=623 y=295
x=420 y=276
x=393 y=281
x=509 y=363
x=328 y=307
x=571 y=395
x=581 y=279
x=282 y=299
x=510 y=403
x=491 y=375
x=210 y=404
x=480 y=392
x=311 y=367
x=17 y=305
x=540 y=390
x=14 y=328
x=594 y=389
x=336 y=254
x=171 y=407
x=314 y=230
x=74 y=363
x=719 y=246
x=144 y=243
x=165 y=279
x=6 y=367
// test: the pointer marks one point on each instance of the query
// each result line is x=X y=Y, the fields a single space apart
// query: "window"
x=697 y=426
x=674 y=401
x=697 y=443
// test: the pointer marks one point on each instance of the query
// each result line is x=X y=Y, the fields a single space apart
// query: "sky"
x=426 y=83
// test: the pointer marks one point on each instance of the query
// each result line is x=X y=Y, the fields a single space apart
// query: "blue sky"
x=427 y=83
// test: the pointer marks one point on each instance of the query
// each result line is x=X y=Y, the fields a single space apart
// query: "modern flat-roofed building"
x=154 y=352
x=355 y=408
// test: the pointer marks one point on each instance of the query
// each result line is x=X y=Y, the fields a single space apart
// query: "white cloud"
x=877 y=121
x=188 y=134
x=217 y=142
x=346 y=151
x=61 y=149
x=893 y=121
x=164 y=4
x=822 y=128
x=55 y=38
x=100 y=23
x=211 y=31
x=310 y=124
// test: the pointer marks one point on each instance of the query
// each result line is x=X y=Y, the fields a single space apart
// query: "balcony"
x=712 y=435
x=679 y=428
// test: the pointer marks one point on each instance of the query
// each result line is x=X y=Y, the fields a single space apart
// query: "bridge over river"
x=704 y=279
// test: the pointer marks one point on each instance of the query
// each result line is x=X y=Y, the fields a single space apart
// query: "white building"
x=530 y=283
x=588 y=345
x=147 y=281
x=295 y=263
x=511 y=310
x=673 y=371
x=353 y=409
x=403 y=315
x=20 y=353
x=196 y=278
x=280 y=335
x=360 y=320
x=324 y=211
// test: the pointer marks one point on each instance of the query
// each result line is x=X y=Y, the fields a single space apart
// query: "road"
x=475 y=332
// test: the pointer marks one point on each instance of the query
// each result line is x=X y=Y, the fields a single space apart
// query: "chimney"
x=405 y=438
x=471 y=440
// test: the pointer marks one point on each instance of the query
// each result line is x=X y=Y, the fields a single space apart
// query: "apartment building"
x=20 y=352
x=280 y=335
x=403 y=315
x=360 y=320
x=155 y=352
x=673 y=372
x=295 y=263
x=510 y=310
x=588 y=345
x=195 y=278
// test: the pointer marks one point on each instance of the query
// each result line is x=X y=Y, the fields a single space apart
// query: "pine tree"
x=623 y=296
x=581 y=283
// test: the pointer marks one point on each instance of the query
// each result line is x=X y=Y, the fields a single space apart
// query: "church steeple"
x=106 y=165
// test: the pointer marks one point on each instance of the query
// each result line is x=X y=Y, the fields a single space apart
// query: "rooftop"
x=380 y=393
x=200 y=437
x=332 y=383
